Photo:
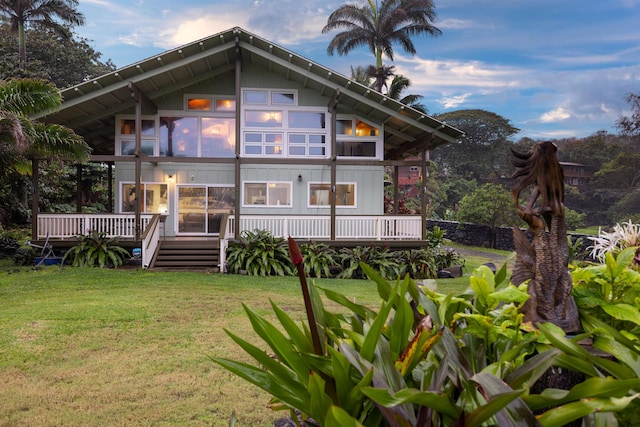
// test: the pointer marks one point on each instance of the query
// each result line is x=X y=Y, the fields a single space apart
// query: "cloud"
x=453 y=101
x=559 y=114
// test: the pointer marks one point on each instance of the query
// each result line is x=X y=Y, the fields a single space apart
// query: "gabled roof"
x=89 y=108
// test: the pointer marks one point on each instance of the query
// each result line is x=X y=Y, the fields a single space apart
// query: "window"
x=128 y=147
x=263 y=118
x=255 y=97
x=356 y=138
x=269 y=194
x=218 y=137
x=154 y=199
x=179 y=136
x=287 y=98
x=199 y=104
x=301 y=144
x=284 y=129
x=319 y=194
x=128 y=127
x=228 y=105
x=306 y=120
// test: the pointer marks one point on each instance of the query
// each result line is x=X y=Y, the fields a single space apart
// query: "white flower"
x=624 y=235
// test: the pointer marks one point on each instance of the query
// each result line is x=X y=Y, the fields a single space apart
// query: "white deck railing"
x=65 y=226
x=365 y=227
x=353 y=227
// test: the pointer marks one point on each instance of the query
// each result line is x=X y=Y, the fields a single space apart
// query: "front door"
x=201 y=208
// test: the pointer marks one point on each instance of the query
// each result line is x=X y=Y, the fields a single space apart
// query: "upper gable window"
x=199 y=104
x=209 y=103
x=285 y=98
x=270 y=97
x=228 y=105
x=255 y=97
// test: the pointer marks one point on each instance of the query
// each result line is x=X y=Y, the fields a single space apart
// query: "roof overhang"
x=90 y=107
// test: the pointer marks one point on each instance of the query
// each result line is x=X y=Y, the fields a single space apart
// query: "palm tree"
x=398 y=85
x=21 y=12
x=22 y=138
x=372 y=77
x=381 y=25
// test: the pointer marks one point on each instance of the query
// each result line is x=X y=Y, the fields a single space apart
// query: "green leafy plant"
x=96 y=249
x=319 y=259
x=611 y=292
x=425 y=358
x=259 y=254
x=385 y=261
x=435 y=237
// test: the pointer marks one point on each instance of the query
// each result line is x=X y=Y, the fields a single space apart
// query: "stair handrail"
x=150 y=240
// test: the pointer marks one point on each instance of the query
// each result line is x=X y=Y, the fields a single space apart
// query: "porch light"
x=170 y=178
x=299 y=178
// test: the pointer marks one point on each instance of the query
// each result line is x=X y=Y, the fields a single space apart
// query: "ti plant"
x=96 y=249
x=426 y=359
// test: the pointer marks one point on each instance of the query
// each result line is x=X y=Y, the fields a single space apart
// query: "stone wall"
x=480 y=235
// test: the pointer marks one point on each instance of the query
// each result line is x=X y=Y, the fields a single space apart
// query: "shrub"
x=96 y=249
x=385 y=261
x=259 y=254
x=319 y=259
x=574 y=219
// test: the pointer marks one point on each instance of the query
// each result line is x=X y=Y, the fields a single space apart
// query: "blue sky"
x=554 y=68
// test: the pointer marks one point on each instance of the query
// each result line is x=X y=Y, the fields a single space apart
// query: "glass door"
x=201 y=208
x=192 y=208
x=220 y=201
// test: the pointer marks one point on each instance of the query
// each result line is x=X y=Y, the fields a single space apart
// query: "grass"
x=99 y=347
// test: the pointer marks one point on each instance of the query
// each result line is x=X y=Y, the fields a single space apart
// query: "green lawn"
x=99 y=347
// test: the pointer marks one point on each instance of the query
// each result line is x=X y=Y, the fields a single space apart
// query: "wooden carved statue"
x=544 y=259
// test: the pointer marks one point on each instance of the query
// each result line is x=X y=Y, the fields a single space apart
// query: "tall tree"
x=380 y=26
x=398 y=86
x=23 y=138
x=631 y=125
x=483 y=152
x=63 y=61
x=21 y=13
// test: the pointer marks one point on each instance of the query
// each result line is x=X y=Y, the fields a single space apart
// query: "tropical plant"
x=351 y=258
x=396 y=90
x=623 y=235
x=611 y=292
x=425 y=359
x=22 y=138
x=319 y=259
x=380 y=25
x=418 y=264
x=96 y=249
x=259 y=253
x=21 y=12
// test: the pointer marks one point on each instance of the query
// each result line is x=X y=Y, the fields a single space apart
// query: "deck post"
x=35 y=201
x=423 y=195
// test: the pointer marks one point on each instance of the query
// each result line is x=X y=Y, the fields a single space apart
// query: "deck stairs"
x=187 y=255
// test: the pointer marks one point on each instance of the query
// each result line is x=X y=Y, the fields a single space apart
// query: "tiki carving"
x=543 y=259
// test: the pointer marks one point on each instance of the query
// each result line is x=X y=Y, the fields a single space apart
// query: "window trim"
x=144 y=193
x=328 y=205
x=378 y=140
x=266 y=195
